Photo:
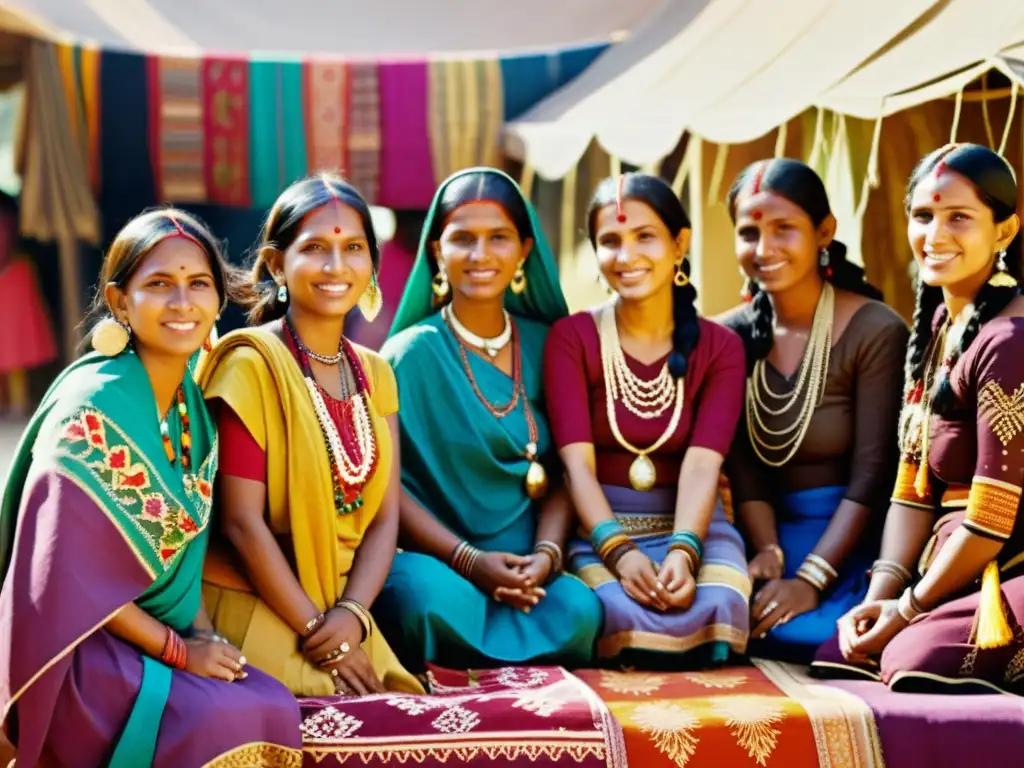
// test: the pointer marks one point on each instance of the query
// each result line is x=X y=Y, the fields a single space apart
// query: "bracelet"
x=175 y=653
x=824 y=565
x=611 y=543
x=776 y=550
x=313 y=625
x=690 y=552
x=892 y=568
x=690 y=538
x=814 y=575
x=604 y=531
x=464 y=559
x=356 y=608
x=908 y=607
x=553 y=551
x=617 y=554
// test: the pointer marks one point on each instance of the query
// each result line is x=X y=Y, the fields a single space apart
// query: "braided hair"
x=658 y=195
x=799 y=184
x=996 y=187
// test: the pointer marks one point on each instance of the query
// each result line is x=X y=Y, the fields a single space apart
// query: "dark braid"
x=995 y=185
x=799 y=184
x=657 y=194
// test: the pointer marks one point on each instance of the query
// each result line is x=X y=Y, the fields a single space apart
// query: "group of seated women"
x=194 y=534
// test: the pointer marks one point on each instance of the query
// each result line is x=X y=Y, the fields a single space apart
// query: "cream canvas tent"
x=751 y=74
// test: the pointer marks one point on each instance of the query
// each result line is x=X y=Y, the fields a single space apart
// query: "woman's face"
x=171 y=302
x=952 y=233
x=777 y=244
x=328 y=265
x=638 y=256
x=480 y=250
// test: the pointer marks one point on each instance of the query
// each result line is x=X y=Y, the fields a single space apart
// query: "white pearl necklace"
x=351 y=472
x=647 y=399
x=490 y=346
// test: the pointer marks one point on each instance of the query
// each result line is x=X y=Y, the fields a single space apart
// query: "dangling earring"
x=681 y=279
x=372 y=300
x=282 y=293
x=439 y=285
x=1001 y=278
x=518 y=284
x=111 y=337
x=824 y=260
x=747 y=291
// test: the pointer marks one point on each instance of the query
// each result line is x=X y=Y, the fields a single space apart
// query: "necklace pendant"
x=536 y=480
x=642 y=474
x=492 y=352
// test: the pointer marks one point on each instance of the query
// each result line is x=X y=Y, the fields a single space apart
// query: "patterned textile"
x=768 y=714
x=536 y=716
x=466 y=108
x=364 y=137
x=277 y=136
x=176 y=128
x=326 y=92
x=226 y=130
x=80 y=76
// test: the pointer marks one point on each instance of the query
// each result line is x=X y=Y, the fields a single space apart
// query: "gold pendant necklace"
x=642 y=472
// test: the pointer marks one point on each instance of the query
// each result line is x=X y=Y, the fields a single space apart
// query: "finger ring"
x=334 y=672
x=772 y=606
x=784 y=619
x=654 y=594
x=344 y=648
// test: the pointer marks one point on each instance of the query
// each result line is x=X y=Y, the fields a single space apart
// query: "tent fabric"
x=381 y=29
x=729 y=72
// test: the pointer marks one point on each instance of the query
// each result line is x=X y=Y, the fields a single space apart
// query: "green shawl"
x=458 y=461
x=98 y=427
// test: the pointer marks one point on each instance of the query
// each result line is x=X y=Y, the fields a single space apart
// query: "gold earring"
x=439 y=285
x=518 y=284
x=1001 y=278
x=372 y=300
x=110 y=337
x=681 y=279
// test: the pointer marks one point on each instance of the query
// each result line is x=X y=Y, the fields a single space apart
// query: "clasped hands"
x=672 y=587
x=513 y=579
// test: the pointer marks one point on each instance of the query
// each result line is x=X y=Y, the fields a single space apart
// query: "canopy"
x=730 y=72
x=378 y=29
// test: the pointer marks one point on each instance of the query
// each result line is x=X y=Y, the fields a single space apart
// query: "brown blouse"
x=852 y=438
x=976 y=452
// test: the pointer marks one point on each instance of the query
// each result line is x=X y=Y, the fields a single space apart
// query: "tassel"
x=991 y=627
x=922 y=485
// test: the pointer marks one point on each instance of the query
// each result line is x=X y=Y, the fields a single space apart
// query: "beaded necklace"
x=186 y=434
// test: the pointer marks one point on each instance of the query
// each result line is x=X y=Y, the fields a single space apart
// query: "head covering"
x=542 y=300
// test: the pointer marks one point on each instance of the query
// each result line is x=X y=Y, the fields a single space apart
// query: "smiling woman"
x=103 y=529
x=309 y=483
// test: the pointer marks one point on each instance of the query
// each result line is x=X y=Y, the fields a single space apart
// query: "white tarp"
x=369 y=28
x=732 y=70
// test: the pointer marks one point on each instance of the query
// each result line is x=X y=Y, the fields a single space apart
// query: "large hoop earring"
x=680 y=278
x=518 y=284
x=111 y=337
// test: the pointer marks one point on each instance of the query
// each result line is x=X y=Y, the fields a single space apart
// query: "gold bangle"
x=776 y=550
x=823 y=564
x=356 y=609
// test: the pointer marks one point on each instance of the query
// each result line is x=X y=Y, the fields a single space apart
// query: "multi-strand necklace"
x=352 y=455
x=808 y=391
x=646 y=398
x=536 y=479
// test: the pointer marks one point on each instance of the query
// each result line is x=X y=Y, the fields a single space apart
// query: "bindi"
x=756 y=215
x=337 y=230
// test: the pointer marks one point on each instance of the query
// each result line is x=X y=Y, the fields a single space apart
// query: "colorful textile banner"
x=177 y=141
x=326 y=98
x=277 y=151
x=226 y=127
x=80 y=76
x=364 y=136
x=465 y=109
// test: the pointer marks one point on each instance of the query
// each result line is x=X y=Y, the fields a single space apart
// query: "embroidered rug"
x=528 y=716
x=770 y=714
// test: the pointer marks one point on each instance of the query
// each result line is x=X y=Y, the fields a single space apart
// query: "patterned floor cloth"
x=769 y=714
x=528 y=716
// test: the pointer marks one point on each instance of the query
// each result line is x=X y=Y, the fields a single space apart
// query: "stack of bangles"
x=611 y=542
x=356 y=608
x=892 y=568
x=689 y=544
x=175 y=653
x=817 y=572
x=464 y=558
x=553 y=551
x=908 y=607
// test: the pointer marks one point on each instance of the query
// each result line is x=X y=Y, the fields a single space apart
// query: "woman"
x=480 y=582
x=954 y=513
x=644 y=398
x=813 y=463
x=106 y=654
x=309 y=501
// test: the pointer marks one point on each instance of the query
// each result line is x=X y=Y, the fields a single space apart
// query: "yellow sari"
x=254 y=373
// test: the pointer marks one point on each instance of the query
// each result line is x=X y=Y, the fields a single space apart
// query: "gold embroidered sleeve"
x=908 y=485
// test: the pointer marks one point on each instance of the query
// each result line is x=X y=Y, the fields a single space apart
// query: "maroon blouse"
x=575 y=392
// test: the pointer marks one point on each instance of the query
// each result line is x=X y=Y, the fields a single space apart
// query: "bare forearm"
x=423 y=532
x=758 y=521
x=271 y=575
x=373 y=561
x=843 y=533
x=135 y=626
x=202 y=620
x=697 y=490
x=960 y=561
x=907 y=530
x=556 y=517
x=588 y=497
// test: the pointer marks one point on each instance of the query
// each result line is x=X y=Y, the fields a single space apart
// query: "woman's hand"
x=537 y=571
x=494 y=570
x=640 y=581
x=214 y=659
x=779 y=601
x=680 y=582
x=340 y=633
x=850 y=630
x=873 y=626
x=353 y=674
x=765 y=566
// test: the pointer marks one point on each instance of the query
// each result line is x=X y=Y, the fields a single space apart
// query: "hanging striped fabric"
x=226 y=128
x=277 y=151
x=80 y=76
x=176 y=128
x=326 y=96
x=466 y=109
x=364 y=134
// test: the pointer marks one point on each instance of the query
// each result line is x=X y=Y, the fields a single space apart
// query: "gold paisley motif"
x=670 y=727
x=1003 y=412
x=750 y=720
x=635 y=683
